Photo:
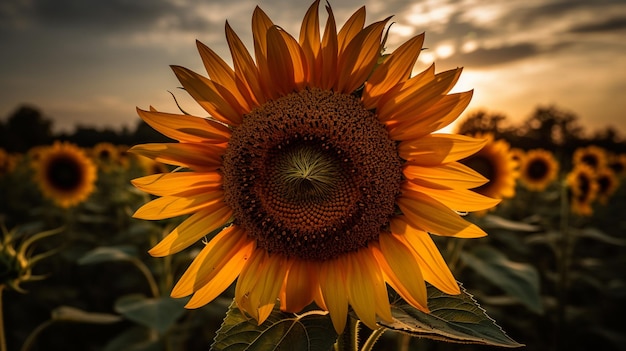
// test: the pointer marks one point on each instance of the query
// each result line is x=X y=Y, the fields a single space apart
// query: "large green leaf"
x=108 y=253
x=452 y=318
x=519 y=280
x=281 y=331
x=156 y=313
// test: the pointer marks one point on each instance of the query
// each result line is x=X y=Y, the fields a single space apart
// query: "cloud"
x=603 y=25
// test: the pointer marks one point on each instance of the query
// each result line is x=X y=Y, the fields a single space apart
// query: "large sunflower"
x=496 y=163
x=592 y=156
x=608 y=182
x=318 y=170
x=65 y=174
x=538 y=169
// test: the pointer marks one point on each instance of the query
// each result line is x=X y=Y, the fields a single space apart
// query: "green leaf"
x=496 y=222
x=310 y=331
x=520 y=280
x=108 y=253
x=137 y=338
x=597 y=234
x=453 y=318
x=156 y=313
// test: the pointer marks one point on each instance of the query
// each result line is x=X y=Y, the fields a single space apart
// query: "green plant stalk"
x=3 y=342
x=30 y=340
x=563 y=257
x=149 y=277
x=371 y=340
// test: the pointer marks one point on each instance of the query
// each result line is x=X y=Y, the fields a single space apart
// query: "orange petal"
x=199 y=157
x=433 y=267
x=329 y=54
x=173 y=206
x=218 y=102
x=420 y=99
x=360 y=57
x=366 y=288
x=245 y=69
x=350 y=29
x=285 y=61
x=300 y=286
x=428 y=214
x=401 y=266
x=396 y=68
x=333 y=286
x=179 y=183
x=310 y=41
x=403 y=90
x=453 y=175
x=462 y=200
x=267 y=289
x=192 y=229
x=250 y=274
x=209 y=261
x=186 y=128
x=438 y=116
x=435 y=149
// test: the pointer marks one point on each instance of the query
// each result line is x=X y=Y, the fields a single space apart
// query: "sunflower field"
x=319 y=206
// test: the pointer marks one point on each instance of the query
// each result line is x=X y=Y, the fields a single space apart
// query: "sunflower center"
x=537 y=170
x=312 y=175
x=64 y=173
x=484 y=166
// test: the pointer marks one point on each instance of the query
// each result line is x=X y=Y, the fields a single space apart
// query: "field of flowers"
x=75 y=273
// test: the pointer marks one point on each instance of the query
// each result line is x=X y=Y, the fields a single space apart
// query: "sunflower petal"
x=267 y=289
x=173 y=206
x=453 y=175
x=192 y=229
x=207 y=265
x=199 y=157
x=334 y=292
x=438 y=116
x=250 y=274
x=286 y=64
x=462 y=200
x=428 y=214
x=179 y=183
x=245 y=69
x=435 y=149
x=186 y=128
x=350 y=29
x=403 y=90
x=433 y=267
x=402 y=267
x=396 y=68
x=300 y=286
x=360 y=57
x=205 y=92
x=310 y=41
x=328 y=56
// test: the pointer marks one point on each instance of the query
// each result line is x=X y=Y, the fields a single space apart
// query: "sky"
x=92 y=62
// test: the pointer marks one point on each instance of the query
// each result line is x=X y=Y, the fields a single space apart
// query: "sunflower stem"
x=371 y=340
x=154 y=288
x=563 y=254
x=3 y=343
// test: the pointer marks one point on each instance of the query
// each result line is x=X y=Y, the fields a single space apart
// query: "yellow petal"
x=250 y=274
x=192 y=229
x=438 y=116
x=332 y=283
x=461 y=200
x=453 y=175
x=179 y=183
x=267 y=288
x=401 y=266
x=396 y=68
x=403 y=90
x=434 y=268
x=360 y=57
x=366 y=288
x=212 y=99
x=186 y=128
x=199 y=157
x=300 y=286
x=420 y=99
x=285 y=61
x=435 y=149
x=172 y=206
x=245 y=69
x=428 y=214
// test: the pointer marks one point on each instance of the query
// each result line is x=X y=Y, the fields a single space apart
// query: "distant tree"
x=551 y=126
x=481 y=121
x=26 y=127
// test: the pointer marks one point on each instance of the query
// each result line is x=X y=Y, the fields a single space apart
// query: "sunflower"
x=592 y=155
x=65 y=174
x=538 y=169
x=105 y=155
x=8 y=162
x=617 y=162
x=607 y=184
x=583 y=189
x=496 y=163
x=318 y=171
x=517 y=155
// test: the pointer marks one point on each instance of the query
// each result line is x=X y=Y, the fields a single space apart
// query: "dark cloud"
x=490 y=57
x=606 y=25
